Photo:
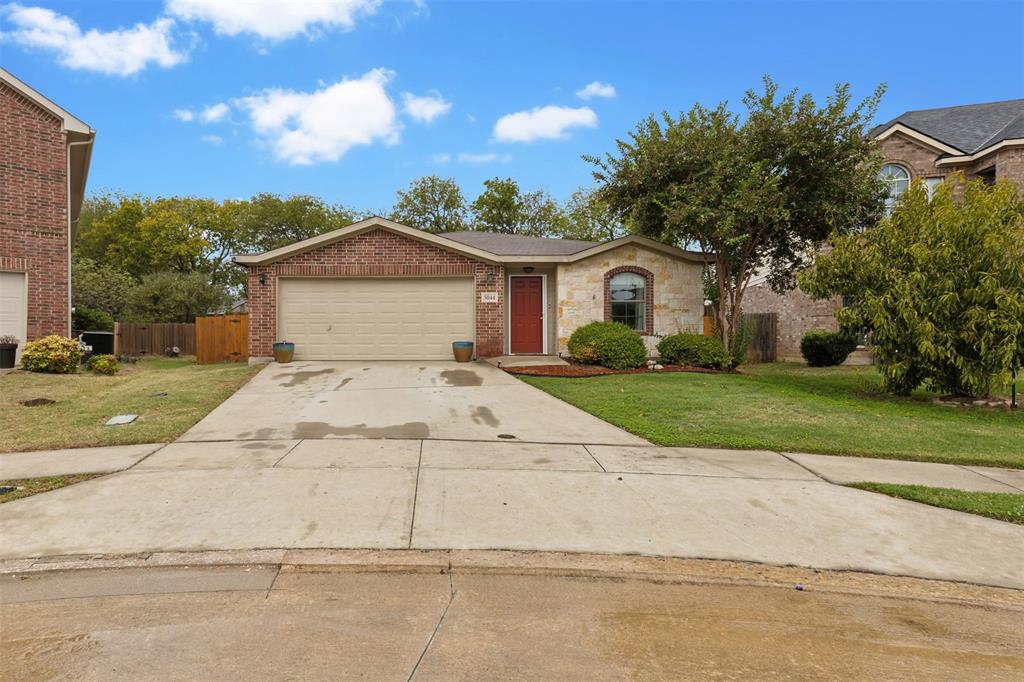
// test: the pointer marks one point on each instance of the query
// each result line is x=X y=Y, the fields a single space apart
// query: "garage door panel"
x=364 y=319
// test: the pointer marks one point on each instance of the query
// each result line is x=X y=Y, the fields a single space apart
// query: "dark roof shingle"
x=518 y=245
x=969 y=128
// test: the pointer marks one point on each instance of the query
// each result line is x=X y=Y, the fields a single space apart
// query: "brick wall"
x=33 y=209
x=376 y=253
x=920 y=160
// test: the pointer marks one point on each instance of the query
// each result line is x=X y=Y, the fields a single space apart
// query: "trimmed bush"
x=52 y=354
x=695 y=350
x=826 y=349
x=92 y=320
x=104 y=364
x=610 y=344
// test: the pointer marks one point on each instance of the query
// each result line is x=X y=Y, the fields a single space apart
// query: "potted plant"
x=283 y=351
x=462 y=350
x=8 y=350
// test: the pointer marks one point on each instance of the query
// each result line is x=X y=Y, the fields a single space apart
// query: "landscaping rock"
x=120 y=419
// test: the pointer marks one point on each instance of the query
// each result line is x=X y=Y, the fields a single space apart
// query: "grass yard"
x=86 y=400
x=789 y=407
x=1002 y=506
x=32 y=486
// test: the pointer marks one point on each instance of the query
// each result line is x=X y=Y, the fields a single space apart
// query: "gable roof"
x=961 y=130
x=518 y=245
x=70 y=123
x=485 y=246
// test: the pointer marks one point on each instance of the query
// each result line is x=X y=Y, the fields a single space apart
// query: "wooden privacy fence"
x=154 y=338
x=764 y=336
x=222 y=338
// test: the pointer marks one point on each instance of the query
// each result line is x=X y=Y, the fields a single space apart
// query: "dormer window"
x=897 y=180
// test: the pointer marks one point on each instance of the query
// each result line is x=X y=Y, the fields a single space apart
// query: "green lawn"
x=1002 y=506
x=86 y=400
x=834 y=410
x=32 y=486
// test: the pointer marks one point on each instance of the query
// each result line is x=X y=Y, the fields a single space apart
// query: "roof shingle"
x=969 y=128
x=518 y=245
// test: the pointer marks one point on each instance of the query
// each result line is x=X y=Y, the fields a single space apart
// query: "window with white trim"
x=626 y=291
x=897 y=180
x=932 y=186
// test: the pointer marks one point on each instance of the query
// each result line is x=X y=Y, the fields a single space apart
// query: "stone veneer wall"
x=376 y=253
x=678 y=292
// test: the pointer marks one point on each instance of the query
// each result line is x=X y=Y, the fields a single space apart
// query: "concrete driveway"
x=410 y=400
x=409 y=456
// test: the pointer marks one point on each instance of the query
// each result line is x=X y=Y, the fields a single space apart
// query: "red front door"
x=526 y=315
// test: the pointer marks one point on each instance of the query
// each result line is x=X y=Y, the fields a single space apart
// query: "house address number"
x=488 y=296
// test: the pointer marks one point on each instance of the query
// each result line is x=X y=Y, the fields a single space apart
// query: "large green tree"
x=99 y=287
x=503 y=207
x=940 y=284
x=431 y=203
x=753 y=194
x=175 y=297
x=589 y=218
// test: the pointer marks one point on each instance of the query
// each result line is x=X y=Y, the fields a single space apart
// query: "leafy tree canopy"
x=433 y=204
x=940 y=284
x=591 y=219
x=175 y=297
x=754 y=195
x=99 y=287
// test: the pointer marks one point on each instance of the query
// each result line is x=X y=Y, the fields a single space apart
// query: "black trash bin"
x=102 y=342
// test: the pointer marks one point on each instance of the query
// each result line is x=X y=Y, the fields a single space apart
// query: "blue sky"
x=352 y=99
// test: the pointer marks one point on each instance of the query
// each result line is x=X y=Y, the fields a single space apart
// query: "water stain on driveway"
x=297 y=378
x=483 y=414
x=408 y=430
x=461 y=377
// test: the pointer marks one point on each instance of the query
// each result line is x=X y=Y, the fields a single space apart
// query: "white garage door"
x=12 y=306
x=375 y=319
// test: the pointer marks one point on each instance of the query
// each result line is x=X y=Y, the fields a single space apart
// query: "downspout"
x=70 y=245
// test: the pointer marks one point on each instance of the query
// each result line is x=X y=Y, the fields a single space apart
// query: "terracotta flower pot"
x=463 y=351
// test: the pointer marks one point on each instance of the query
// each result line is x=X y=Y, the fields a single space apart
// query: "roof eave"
x=969 y=158
x=918 y=136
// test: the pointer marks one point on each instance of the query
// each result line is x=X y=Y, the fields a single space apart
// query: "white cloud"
x=426 y=108
x=543 y=123
x=466 y=157
x=183 y=115
x=215 y=140
x=121 y=52
x=597 y=89
x=274 y=20
x=310 y=127
x=441 y=158
x=214 y=112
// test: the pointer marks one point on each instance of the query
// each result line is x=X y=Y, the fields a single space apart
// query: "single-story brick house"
x=980 y=140
x=44 y=163
x=380 y=290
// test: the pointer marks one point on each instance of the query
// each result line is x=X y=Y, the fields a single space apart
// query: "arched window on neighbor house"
x=897 y=179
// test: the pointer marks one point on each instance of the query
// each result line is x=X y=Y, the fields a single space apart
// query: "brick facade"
x=33 y=209
x=377 y=253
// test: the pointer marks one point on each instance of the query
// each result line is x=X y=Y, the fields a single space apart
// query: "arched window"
x=627 y=297
x=897 y=179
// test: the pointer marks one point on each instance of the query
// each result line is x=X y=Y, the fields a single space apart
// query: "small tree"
x=433 y=204
x=755 y=195
x=940 y=284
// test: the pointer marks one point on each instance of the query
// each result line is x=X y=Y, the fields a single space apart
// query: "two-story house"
x=980 y=140
x=44 y=162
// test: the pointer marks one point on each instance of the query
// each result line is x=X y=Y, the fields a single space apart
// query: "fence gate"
x=222 y=338
x=763 y=342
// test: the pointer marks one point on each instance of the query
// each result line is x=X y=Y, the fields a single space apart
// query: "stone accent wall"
x=678 y=294
x=33 y=210
x=376 y=253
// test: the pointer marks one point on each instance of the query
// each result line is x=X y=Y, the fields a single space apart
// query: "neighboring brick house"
x=980 y=140
x=44 y=162
x=378 y=290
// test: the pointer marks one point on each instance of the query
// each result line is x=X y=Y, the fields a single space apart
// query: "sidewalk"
x=738 y=505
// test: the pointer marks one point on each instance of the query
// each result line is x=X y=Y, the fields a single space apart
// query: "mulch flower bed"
x=574 y=370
